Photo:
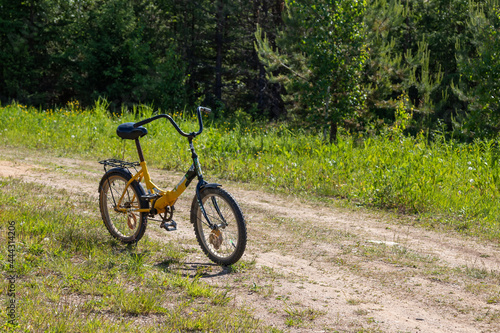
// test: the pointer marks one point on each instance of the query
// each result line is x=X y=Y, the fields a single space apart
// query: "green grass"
x=298 y=317
x=445 y=183
x=72 y=277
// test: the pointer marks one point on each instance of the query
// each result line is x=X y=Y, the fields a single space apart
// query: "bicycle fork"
x=202 y=184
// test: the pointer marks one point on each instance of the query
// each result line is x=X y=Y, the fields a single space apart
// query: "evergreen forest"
x=321 y=65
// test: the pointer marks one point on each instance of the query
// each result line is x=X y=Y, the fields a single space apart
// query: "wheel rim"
x=223 y=241
x=124 y=224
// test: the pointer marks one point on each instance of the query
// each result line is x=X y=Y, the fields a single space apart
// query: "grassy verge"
x=73 y=278
x=444 y=182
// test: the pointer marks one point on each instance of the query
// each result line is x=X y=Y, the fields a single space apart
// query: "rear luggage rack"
x=119 y=164
x=114 y=163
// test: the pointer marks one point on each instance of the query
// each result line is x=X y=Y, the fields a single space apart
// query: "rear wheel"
x=226 y=243
x=119 y=217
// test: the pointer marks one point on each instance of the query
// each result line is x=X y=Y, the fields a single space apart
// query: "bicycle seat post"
x=139 y=150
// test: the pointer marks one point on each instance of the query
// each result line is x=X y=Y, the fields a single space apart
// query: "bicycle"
x=126 y=206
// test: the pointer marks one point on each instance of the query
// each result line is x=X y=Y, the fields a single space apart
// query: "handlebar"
x=181 y=132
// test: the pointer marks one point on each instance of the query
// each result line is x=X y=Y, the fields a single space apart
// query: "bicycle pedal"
x=172 y=226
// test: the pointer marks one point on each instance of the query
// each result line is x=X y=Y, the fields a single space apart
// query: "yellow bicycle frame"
x=166 y=199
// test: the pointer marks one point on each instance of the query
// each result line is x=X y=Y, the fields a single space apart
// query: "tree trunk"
x=333 y=132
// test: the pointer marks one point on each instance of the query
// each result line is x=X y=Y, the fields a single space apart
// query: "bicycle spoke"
x=111 y=190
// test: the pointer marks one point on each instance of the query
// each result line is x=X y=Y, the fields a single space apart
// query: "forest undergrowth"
x=442 y=182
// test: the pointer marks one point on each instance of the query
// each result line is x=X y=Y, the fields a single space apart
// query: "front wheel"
x=225 y=243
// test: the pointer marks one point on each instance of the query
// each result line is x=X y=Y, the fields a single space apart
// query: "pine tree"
x=400 y=62
x=320 y=54
x=30 y=44
x=479 y=84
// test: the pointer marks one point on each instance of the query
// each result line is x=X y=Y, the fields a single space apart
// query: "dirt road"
x=318 y=267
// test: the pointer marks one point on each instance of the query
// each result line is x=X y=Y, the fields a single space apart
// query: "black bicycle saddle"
x=129 y=132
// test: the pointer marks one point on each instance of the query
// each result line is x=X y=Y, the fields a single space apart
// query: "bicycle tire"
x=225 y=245
x=126 y=227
